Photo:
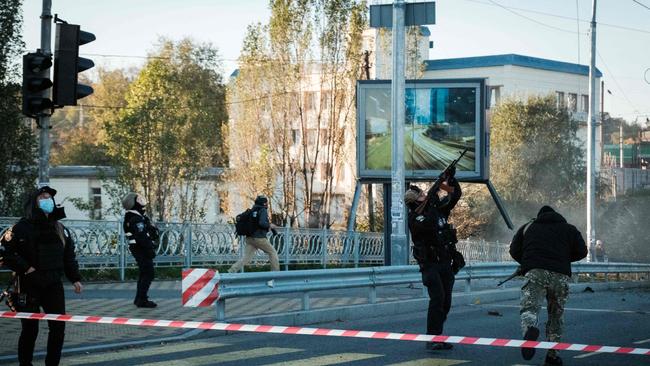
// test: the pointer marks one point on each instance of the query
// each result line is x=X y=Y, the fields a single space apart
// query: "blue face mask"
x=47 y=205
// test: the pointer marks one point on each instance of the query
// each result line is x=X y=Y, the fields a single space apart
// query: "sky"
x=554 y=29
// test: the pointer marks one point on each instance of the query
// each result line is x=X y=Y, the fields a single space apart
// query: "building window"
x=327 y=100
x=310 y=101
x=96 y=199
x=295 y=136
x=325 y=170
x=559 y=100
x=585 y=103
x=312 y=134
x=324 y=135
x=573 y=102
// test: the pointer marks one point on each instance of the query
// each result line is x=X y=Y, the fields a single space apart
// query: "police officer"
x=40 y=250
x=142 y=237
x=434 y=248
x=545 y=249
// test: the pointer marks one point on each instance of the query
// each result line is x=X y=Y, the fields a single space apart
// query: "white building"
x=89 y=184
x=517 y=76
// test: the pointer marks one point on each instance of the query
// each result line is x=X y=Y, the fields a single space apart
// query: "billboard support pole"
x=398 y=236
x=499 y=203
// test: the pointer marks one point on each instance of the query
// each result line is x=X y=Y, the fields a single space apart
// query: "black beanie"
x=261 y=200
x=545 y=209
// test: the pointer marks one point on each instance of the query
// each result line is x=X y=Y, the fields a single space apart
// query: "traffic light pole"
x=44 y=119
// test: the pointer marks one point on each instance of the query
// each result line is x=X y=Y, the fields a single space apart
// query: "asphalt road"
x=615 y=318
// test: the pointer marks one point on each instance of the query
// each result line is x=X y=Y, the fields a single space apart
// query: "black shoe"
x=436 y=346
x=146 y=304
x=531 y=335
x=553 y=360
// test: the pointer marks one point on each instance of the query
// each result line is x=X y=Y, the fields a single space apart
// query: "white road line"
x=327 y=359
x=643 y=341
x=585 y=355
x=218 y=357
x=571 y=309
x=430 y=362
x=141 y=352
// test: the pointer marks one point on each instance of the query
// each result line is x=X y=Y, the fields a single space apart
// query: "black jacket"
x=41 y=242
x=140 y=234
x=549 y=243
x=261 y=218
x=425 y=228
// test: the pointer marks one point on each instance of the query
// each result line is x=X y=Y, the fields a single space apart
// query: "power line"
x=615 y=81
x=641 y=4
x=530 y=19
x=562 y=17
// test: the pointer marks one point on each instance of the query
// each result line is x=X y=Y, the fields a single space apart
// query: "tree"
x=295 y=88
x=535 y=160
x=170 y=131
x=79 y=136
x=17 y=142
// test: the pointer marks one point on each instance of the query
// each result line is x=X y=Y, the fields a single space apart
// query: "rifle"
x=441 y=178
x=517 y=272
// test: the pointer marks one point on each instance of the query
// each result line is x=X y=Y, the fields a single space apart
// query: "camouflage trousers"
x=554 y=286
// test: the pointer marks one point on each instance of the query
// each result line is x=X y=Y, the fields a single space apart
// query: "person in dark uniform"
x=434 y=248
x=545 y=248
x=142 y=237
x=40 y=250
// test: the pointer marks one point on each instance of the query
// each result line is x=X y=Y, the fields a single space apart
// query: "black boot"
x=531 y=335
x=553 y=360
x=436 y=346
x=146 y=304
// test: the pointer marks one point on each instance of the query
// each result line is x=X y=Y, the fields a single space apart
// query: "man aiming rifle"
x=434 y=245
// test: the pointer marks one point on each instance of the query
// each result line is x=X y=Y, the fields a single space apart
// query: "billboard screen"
x=443 y=117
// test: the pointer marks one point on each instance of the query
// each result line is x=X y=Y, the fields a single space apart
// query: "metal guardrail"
x=232 y=285
x=101 y=244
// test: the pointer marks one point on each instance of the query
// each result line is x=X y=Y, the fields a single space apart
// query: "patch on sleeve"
x=8 y=235
x=140 y=226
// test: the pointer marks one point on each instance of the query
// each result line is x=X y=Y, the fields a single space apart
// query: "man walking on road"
x=258 y=240
x=545 y=248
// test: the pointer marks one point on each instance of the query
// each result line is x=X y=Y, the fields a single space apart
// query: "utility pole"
x=44 y=119
x=591 y=137
x=620 y=144
x=399 y=246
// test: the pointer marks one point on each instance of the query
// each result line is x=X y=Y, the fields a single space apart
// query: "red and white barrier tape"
x=495 y=342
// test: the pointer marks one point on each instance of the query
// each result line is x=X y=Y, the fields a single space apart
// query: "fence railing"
x=101 y=244
x=233 y=285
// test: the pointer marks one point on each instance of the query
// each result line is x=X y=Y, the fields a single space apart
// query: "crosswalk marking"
x=430 y=362
x=142 y=352
x=224 y=357
x=327 y=359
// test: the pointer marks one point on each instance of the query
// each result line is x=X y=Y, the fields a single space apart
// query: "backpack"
x=246 y=222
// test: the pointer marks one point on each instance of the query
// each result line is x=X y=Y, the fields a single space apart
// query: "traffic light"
x=35 y=84
x=67 y=64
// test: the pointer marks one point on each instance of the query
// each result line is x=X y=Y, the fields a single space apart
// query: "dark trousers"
x=52 y=300
x=146 y=274
x=439 y=280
